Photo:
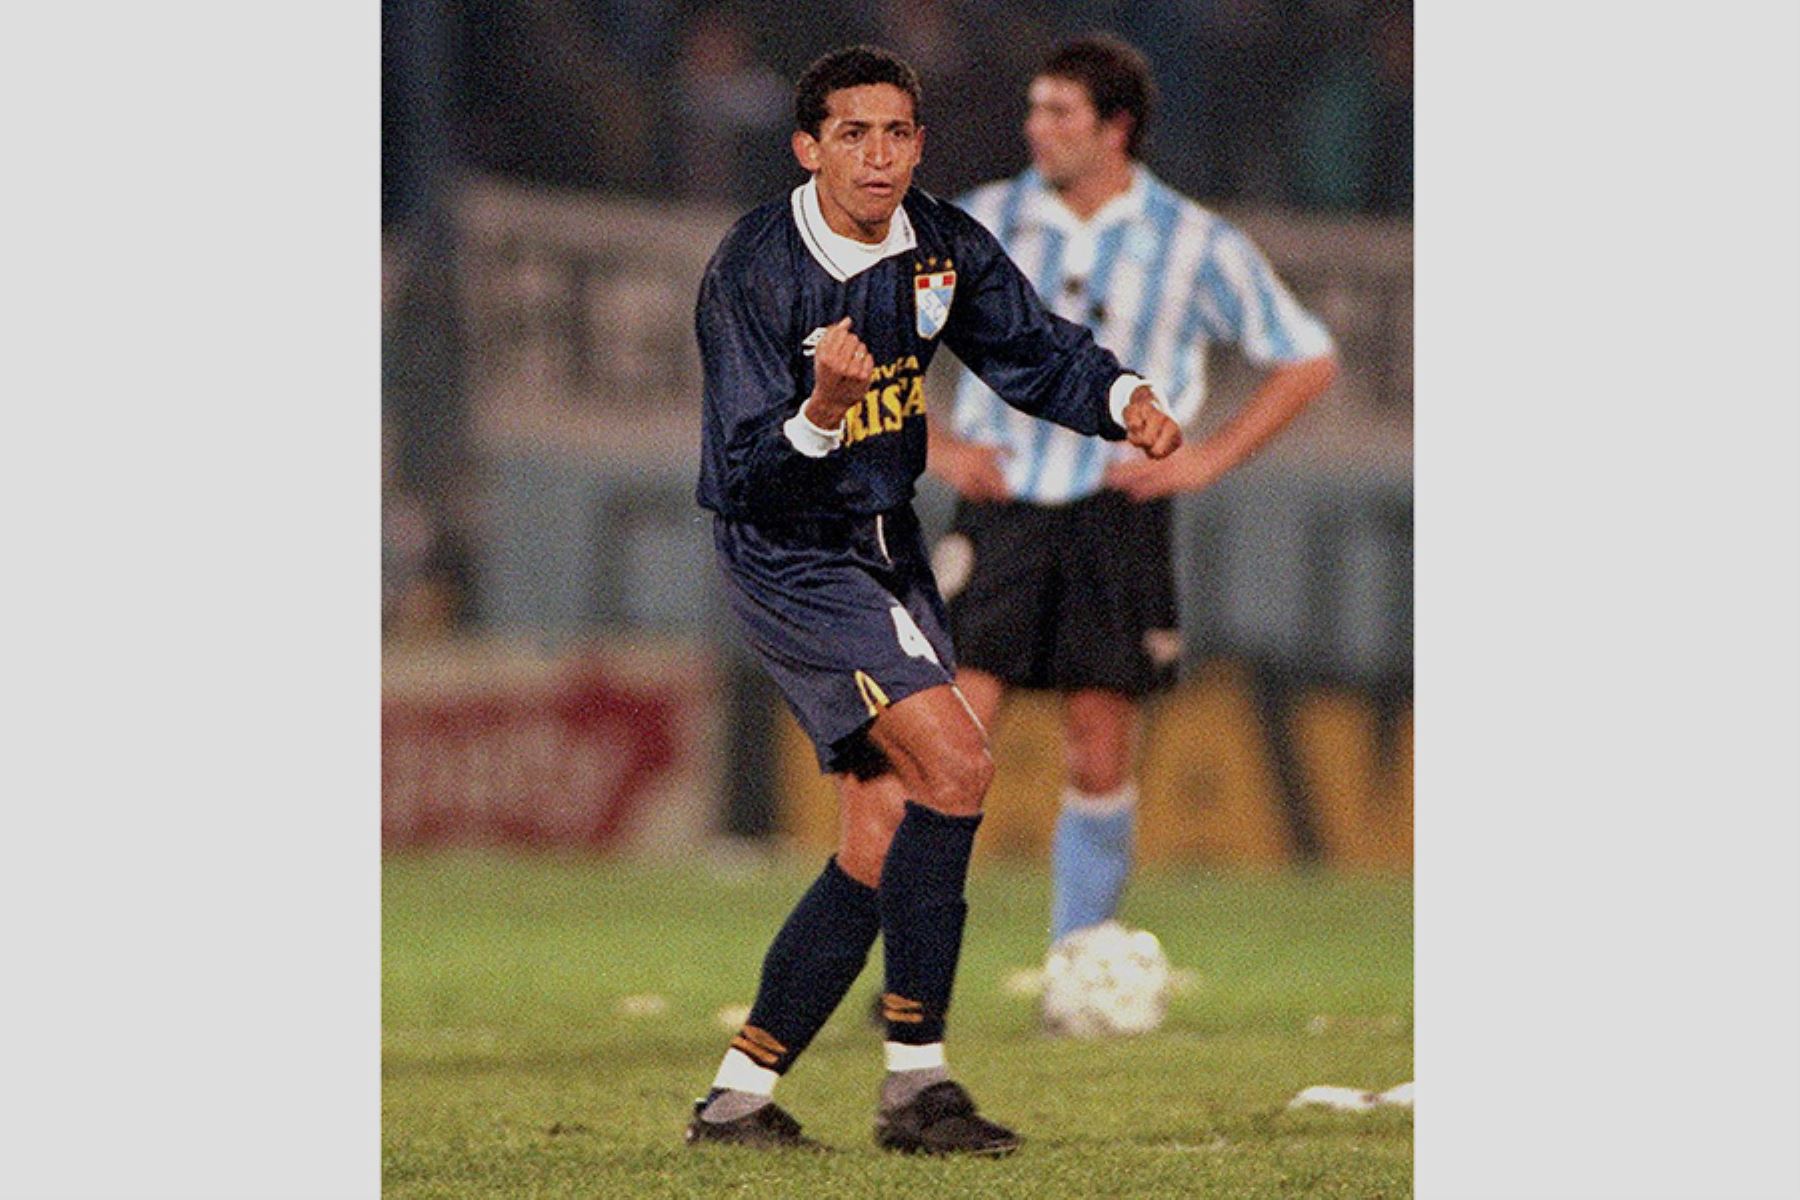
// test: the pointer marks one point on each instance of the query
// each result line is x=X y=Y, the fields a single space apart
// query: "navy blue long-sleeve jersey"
x=766 y=296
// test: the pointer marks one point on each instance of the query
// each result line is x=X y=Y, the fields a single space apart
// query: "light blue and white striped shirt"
x=1158 y=279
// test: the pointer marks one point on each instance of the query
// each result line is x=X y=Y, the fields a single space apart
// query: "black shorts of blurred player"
x=1066 y=598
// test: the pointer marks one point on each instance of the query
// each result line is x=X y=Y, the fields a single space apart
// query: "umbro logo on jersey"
x=812 y=341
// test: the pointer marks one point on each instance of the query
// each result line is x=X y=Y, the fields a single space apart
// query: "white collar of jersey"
x=844 y=258
x=1048 y=207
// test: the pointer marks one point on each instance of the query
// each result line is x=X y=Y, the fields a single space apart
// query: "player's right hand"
x=842 y=369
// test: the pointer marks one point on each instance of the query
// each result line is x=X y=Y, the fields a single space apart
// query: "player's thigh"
x=985 y=692
x=937 y=750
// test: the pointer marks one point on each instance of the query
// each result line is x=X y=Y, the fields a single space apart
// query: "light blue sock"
x=1090 y=858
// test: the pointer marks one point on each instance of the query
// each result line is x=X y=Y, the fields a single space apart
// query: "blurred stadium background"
x=558 y=666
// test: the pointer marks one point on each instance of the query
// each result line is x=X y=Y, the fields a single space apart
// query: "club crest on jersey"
x=932 y=293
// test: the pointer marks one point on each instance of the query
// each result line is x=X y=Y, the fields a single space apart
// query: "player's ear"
x=806 y=149
x=1118 y=130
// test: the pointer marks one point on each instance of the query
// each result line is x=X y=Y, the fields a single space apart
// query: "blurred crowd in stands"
x=1294 y=104
x=1301 y=104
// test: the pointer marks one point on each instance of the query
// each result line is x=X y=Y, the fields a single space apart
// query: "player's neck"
x=1086 y=195
x=840 y=222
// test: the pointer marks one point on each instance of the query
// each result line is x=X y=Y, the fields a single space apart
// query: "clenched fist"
x=842 y=369
x=1149 y=427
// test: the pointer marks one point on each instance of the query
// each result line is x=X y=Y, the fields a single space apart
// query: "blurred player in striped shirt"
x=1058 y=570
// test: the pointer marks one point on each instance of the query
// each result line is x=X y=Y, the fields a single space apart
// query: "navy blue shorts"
x=845 y=615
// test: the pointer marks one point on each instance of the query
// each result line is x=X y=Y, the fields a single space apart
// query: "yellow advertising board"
x=1210 y=789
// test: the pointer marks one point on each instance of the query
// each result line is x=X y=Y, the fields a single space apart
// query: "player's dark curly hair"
x=852 y=66
x=1116 y=76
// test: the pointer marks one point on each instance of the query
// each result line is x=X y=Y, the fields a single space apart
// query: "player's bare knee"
x=957 y=781
x=1101 y=744
x=1099 y=772
x=980 y=766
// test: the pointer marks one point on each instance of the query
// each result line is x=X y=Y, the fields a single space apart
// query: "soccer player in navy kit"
x=817 y=318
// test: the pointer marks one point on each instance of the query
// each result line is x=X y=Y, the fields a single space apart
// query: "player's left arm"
x=1039 y=363
x=1253 y=308
x=1284 y=394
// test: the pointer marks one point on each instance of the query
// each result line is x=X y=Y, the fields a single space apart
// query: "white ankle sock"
x=902 y=1057
x=740 y=1073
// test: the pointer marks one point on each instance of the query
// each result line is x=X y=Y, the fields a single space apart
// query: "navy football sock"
x=809 y=967
x=922 y=912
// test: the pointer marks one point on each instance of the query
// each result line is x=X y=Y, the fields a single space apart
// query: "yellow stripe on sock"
x=763 y=1038
x=766 y=1057
x=901 y=1009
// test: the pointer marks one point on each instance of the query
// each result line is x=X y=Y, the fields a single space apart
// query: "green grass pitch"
x=510 y=1069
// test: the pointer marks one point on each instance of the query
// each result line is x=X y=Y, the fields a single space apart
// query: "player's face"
x=863 y=158
x=1068 y=139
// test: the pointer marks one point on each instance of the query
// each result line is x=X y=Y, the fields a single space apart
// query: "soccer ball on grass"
x=1105 y=981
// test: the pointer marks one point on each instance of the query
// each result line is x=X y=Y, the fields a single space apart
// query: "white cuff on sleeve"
x=808 y=438
x=1120 y=396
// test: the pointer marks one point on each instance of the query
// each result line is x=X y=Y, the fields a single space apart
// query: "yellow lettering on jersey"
x=886 y=406
x=854 y=429
x=887 y=371
x=915 y=397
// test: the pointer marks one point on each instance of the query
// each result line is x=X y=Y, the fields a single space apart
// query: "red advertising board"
x=497 y=747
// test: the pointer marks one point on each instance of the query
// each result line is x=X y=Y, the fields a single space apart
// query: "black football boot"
x=770 y=1127
x=942 y=1120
